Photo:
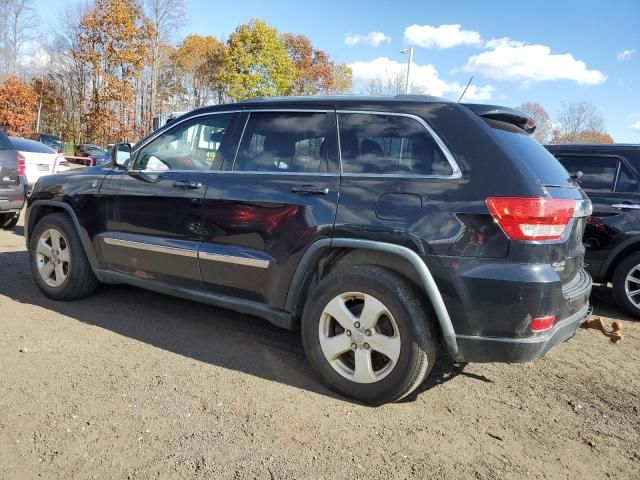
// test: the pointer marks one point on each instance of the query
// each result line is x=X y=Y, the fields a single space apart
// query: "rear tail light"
x=532 y=218
x=22 y=165
x=540 y=324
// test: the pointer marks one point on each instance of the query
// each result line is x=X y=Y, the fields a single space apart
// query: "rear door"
x=154 y=210
x=613 y=190
x=264 y=209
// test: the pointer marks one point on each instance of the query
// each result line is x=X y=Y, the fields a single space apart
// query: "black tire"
x=414 y=323
x=619 y=280
x=80 y=280
x=9 y=220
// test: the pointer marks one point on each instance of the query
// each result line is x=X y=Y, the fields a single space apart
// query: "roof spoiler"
x=504 y=114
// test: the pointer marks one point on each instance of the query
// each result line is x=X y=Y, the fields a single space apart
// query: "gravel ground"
x=133 y=384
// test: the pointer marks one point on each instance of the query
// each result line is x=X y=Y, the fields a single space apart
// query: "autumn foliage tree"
x=17 y=107
x=539 y=115
x=314 y=69
x=580 y=122
x=114 y=41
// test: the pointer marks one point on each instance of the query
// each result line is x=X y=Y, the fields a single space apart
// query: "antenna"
x=465 y=88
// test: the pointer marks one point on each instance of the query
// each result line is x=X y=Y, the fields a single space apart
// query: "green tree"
x=342 y=79
x=256 y=63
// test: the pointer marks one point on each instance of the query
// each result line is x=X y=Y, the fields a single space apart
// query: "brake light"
x=22 y=165
x=539 y=324
x=532 y=218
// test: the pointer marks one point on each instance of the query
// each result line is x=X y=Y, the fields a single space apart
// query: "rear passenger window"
x=284 y=142
x=598 y=173
x=388 y=144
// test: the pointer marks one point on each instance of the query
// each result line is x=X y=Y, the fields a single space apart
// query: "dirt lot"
x=132 y=384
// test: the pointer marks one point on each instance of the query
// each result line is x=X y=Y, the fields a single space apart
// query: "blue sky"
x=544 y=51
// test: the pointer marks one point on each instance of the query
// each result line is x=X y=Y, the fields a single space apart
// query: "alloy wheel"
x=53 y=258
x=359 y=337
x=632 y=286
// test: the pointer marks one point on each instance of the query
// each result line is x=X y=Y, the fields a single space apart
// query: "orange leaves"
x=114 y=42
x=17 y=107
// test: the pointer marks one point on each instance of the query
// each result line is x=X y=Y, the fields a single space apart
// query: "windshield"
x=519 y=144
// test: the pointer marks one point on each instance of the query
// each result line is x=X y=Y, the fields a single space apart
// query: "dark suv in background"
x=610 y=175
x=12 y=182
x=380 y=227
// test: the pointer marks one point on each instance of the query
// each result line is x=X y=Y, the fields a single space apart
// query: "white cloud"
x=507 y=59
x=636 y=126
x=423 y=77
x=372 y=38
x=443 y=36
x=625 y=55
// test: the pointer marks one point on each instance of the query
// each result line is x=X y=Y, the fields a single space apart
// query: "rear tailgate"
x=8 y=168
x=566 y=254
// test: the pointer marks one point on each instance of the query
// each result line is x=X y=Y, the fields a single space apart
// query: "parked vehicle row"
x=39 y=159
x=383 y=229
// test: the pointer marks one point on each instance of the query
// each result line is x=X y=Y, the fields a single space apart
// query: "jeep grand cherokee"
x=381 y=228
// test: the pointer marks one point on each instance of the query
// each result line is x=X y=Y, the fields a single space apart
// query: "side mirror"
x=120 y=154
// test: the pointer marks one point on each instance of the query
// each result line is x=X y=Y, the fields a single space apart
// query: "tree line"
x=115 y=65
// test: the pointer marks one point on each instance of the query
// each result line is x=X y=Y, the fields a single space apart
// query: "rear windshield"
x=5 y=143
x=519 y=144
x=25 y=145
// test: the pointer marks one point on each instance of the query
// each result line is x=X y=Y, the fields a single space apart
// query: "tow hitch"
x=595 y=323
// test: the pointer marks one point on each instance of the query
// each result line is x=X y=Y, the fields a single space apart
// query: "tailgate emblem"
x=558 y=266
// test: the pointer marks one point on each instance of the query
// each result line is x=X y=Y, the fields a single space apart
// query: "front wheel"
x=59 y=264
x=368 y=335
x=626 y=285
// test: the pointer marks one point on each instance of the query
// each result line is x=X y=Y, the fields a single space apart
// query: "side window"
x=191 y=145
x=284 y=142
x=626 y=181
x=598 y=173
x=388 y=144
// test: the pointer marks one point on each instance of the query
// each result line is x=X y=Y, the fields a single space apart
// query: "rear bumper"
x=12 y=201
x=504 y=349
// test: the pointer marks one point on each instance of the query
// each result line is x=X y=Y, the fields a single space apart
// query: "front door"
x=155 y=213
x=263 y=210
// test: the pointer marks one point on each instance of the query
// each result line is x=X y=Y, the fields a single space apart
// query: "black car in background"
x=12 y=182
x=610 y=176
x=381 y=228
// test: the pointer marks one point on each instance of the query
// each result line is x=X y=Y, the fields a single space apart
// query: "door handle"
x=310 y=190
x=626 y=206
x=187 y=185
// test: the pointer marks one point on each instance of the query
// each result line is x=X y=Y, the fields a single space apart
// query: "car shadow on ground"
x=216 y=336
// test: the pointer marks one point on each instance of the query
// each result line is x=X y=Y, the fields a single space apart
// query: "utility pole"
x=410 y=52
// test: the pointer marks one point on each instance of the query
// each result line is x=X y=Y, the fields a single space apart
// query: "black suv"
x=381 y=227
x=610 y=176
x=12 y=182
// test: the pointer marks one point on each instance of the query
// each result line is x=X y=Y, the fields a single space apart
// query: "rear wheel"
x=58 y=262
x=626 y=284
x=9 y=220
x=368 y=335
